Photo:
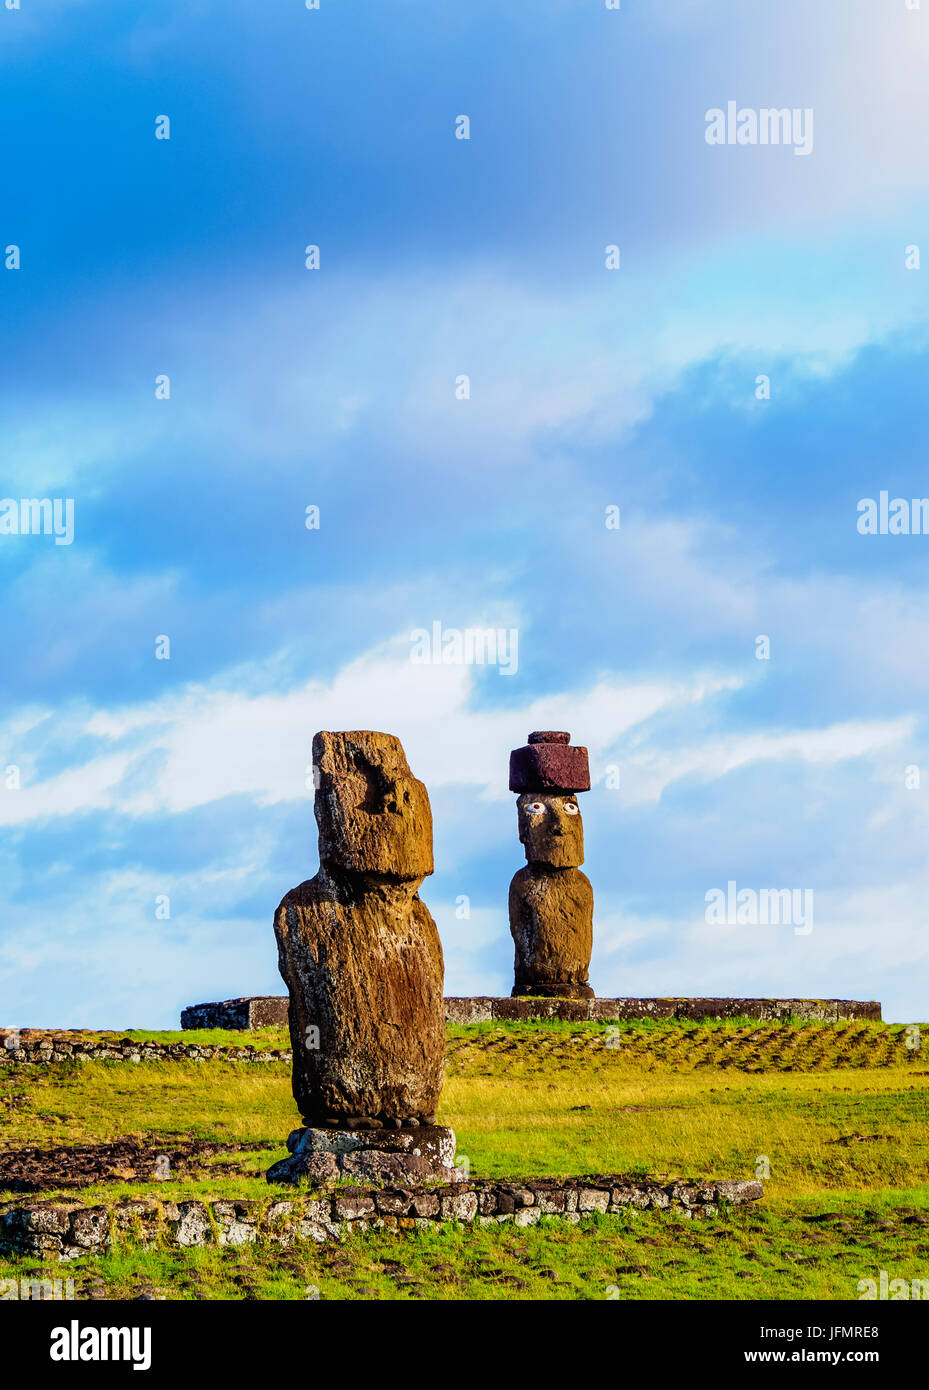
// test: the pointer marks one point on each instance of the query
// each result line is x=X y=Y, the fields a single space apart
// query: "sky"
x=465 y=387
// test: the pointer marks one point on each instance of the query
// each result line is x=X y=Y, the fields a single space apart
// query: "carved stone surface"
x=358 y=950
x=551 y=922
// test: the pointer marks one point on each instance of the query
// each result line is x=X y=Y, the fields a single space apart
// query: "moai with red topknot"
x=551 y=901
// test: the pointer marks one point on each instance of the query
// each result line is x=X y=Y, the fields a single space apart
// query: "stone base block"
x=401 y=1156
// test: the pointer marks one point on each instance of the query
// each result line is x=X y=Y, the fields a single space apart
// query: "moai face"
x=372 y=813
x=551 y=830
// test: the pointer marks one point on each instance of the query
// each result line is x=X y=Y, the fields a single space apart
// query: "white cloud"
x=193 y=749
x=647 y=773
x=217 y=743
x=865 y=943
x=198 y=747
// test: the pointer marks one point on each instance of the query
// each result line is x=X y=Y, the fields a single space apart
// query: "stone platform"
x=404 y=1155
x=485 y=1009
x=265 y=1009
x=256 y=1012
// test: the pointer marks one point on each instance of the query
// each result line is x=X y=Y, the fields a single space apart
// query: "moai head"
x=550 y=828
x=373 y=815
x=546 y=774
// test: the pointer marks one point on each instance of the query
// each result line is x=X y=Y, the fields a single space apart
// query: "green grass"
x=258 y=1038
x=784 y=1250
x=839 y=1112
x=740 y=1044
x=528 y=1027
x=553 y=1100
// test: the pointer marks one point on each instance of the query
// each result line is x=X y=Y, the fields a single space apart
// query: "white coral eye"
x=535 y=807
x=570 y=808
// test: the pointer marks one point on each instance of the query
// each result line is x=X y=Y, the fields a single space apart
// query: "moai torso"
x=357 y=948
x=551 y=901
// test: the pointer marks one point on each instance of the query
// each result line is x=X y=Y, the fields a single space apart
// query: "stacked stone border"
x=66 y=1230
x=35 y=1046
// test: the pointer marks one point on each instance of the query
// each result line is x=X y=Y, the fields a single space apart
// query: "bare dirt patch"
x=35 y=1169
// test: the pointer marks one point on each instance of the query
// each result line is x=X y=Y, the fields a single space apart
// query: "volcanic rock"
x=551 y=901
x=358 y=950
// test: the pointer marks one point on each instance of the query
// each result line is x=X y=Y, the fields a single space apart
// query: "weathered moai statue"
x=551 y=901
x=361 y=959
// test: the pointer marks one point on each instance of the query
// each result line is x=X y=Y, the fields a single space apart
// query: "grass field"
x=836 y=1114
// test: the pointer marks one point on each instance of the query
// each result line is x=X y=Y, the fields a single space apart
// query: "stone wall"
x=265 y=1009
x=259 y=1011
x=66 y=1230
x=35 y=1045
x=484 y=1009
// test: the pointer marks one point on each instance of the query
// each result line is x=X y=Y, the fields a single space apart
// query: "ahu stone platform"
x=259 y=1011
x=267 y=1009
x=479 y=1009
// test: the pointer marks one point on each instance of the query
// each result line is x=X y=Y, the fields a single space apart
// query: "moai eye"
x=570 y=808
x=535 y=808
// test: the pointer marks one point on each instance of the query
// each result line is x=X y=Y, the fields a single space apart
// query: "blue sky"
x=186 y=778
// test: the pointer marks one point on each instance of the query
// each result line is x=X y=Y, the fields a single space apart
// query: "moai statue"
x=551 y=901
x=361 y=959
